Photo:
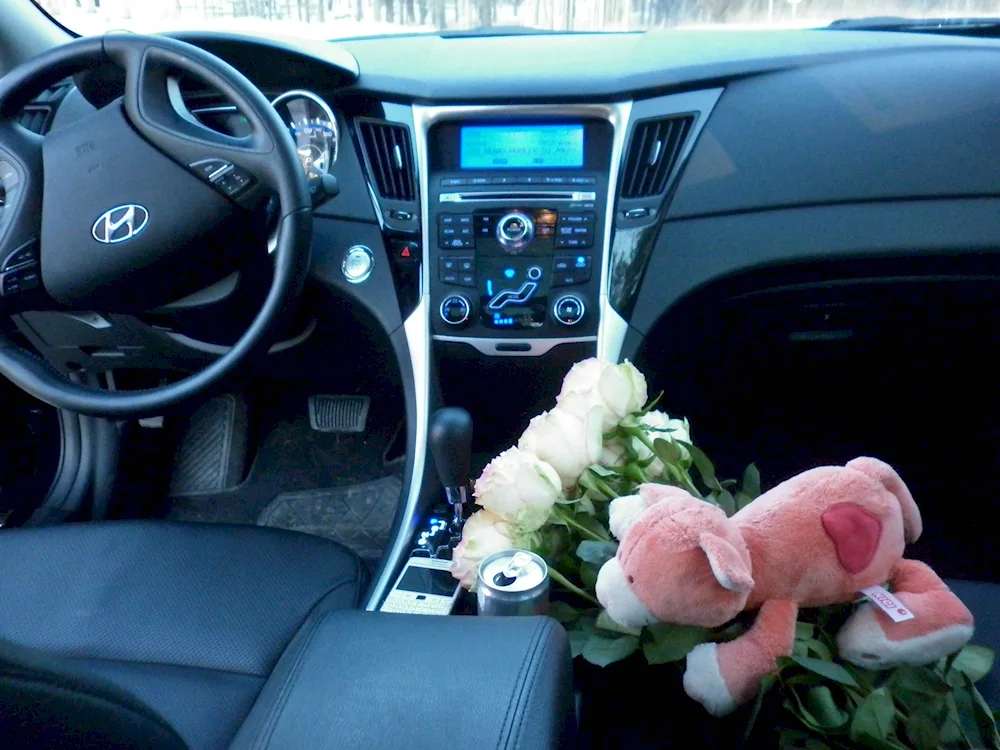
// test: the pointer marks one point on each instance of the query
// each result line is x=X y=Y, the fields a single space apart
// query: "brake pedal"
x=338 y=413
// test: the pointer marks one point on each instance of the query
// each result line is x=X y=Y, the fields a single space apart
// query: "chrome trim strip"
x=416 y=328
x=214 y=110
x=538 y=346
x=606 y=325
x=520 y=196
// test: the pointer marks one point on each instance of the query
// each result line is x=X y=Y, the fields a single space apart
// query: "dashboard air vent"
x=652 y=155
x=37 y=116
x=390 y=159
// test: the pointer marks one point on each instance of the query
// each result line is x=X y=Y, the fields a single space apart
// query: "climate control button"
x=455 y=310
x=569 y=309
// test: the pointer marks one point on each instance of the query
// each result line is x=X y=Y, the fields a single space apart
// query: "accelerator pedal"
x=339 y=413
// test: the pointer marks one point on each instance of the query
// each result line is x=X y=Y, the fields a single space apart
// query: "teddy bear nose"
x=631 y=579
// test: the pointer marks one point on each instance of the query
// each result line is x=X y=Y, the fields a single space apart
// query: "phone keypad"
x=406 y=603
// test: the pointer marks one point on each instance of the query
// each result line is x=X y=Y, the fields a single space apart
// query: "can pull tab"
x=508 y=575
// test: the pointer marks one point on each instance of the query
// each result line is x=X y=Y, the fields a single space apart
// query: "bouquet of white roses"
x=551 y=494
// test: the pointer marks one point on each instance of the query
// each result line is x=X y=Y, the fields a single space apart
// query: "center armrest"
x=370 y=679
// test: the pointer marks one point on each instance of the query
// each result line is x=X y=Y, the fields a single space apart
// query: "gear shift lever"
x=451 y=444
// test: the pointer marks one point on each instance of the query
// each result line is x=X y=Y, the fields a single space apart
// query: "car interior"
x=226 y=351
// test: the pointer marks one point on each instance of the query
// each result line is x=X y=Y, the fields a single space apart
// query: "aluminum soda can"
x=513 y=582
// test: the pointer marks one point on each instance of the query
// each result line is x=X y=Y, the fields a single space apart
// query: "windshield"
x=341 y=19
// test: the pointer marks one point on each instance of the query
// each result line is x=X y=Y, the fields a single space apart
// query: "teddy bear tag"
x=888 y=603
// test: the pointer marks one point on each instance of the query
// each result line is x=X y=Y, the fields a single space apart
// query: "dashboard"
x=576 y=197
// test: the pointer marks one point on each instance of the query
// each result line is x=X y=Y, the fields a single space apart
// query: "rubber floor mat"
x=359 y=516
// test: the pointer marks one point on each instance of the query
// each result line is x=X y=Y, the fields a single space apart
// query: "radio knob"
x=569 y=309
x=515 y=230
x=455 y=310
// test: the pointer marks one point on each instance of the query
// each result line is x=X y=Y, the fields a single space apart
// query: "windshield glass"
x=341 y=19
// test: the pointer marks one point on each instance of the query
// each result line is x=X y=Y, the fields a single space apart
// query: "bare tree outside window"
x=332 y=19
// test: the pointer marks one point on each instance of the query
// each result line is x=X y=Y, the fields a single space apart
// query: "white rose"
x=620 y=389
x=614 y=454
x=519 y=486
x=656 y=422
x=483 y=534
x=568 y=443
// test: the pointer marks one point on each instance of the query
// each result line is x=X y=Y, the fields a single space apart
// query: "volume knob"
x=515 y=230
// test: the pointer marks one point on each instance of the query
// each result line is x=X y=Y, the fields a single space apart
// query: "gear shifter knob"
x=451 y=444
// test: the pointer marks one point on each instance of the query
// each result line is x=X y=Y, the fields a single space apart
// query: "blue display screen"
x=522 y=147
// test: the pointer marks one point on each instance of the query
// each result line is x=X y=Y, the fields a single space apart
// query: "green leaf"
x=751 y=482
x=742 y=500
x=918 y=687
x=975 y=662
x=804 y=631
x=604 y=622
x=597 y=553
x=792 y=739
x=984 y=717
x=601 y=471
x=726 y=501
x=922 y=731
x=830 y=670
x=704 y=466
x=767 y=682
x=651 y=405
x=823 y=706
x=588 y=575
x=634 y=472
x=666 y=642
x=667 y=451
x=873 y=719
x=603 y=650
x=563 y=612
x=579 y=633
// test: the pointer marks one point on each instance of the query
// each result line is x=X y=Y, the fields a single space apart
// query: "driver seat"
x=150 y=633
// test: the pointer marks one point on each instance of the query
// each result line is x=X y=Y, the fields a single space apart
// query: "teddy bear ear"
x=730 y=569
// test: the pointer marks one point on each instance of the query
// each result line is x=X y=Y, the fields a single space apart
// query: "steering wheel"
x=136 y=205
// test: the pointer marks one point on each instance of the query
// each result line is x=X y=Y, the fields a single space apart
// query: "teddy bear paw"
x=871 y=640
x=703 y=680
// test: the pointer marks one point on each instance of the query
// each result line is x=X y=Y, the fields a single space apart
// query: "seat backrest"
x=45 y=702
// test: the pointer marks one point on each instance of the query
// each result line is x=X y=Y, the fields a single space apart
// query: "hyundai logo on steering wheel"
x=120 y=223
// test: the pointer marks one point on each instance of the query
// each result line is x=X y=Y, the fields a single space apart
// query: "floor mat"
x=292 y=457
x=359 y=516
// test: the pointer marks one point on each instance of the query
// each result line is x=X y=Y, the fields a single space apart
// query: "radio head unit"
x=516 y=226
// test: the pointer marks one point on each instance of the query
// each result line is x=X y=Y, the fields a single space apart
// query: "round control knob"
x=357 y=264
x=455 y=309
x=569 y=309
x=515 y=230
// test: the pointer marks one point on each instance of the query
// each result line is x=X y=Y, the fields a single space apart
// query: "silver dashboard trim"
x=606 y=326
x=538 y=346
x=522 y=196
x=416 y=328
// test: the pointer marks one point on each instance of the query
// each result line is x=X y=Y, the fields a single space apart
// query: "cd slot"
x=517 y=196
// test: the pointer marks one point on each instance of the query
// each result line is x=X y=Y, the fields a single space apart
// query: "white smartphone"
x=425 y=587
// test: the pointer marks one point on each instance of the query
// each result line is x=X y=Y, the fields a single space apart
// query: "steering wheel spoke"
x=239 y=168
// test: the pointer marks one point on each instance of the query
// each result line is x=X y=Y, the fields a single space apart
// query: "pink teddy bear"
x=816 y=539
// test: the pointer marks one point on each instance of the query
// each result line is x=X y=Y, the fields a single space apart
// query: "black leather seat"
x=188 y=620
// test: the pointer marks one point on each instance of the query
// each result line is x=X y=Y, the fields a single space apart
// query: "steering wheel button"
x=208 y=167
x=27 y=253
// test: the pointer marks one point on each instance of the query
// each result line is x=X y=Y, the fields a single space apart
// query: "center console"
x=516 y=229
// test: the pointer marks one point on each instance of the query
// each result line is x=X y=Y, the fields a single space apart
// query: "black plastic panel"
x=692 y=253
x=891 y=125
x=331 y=240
